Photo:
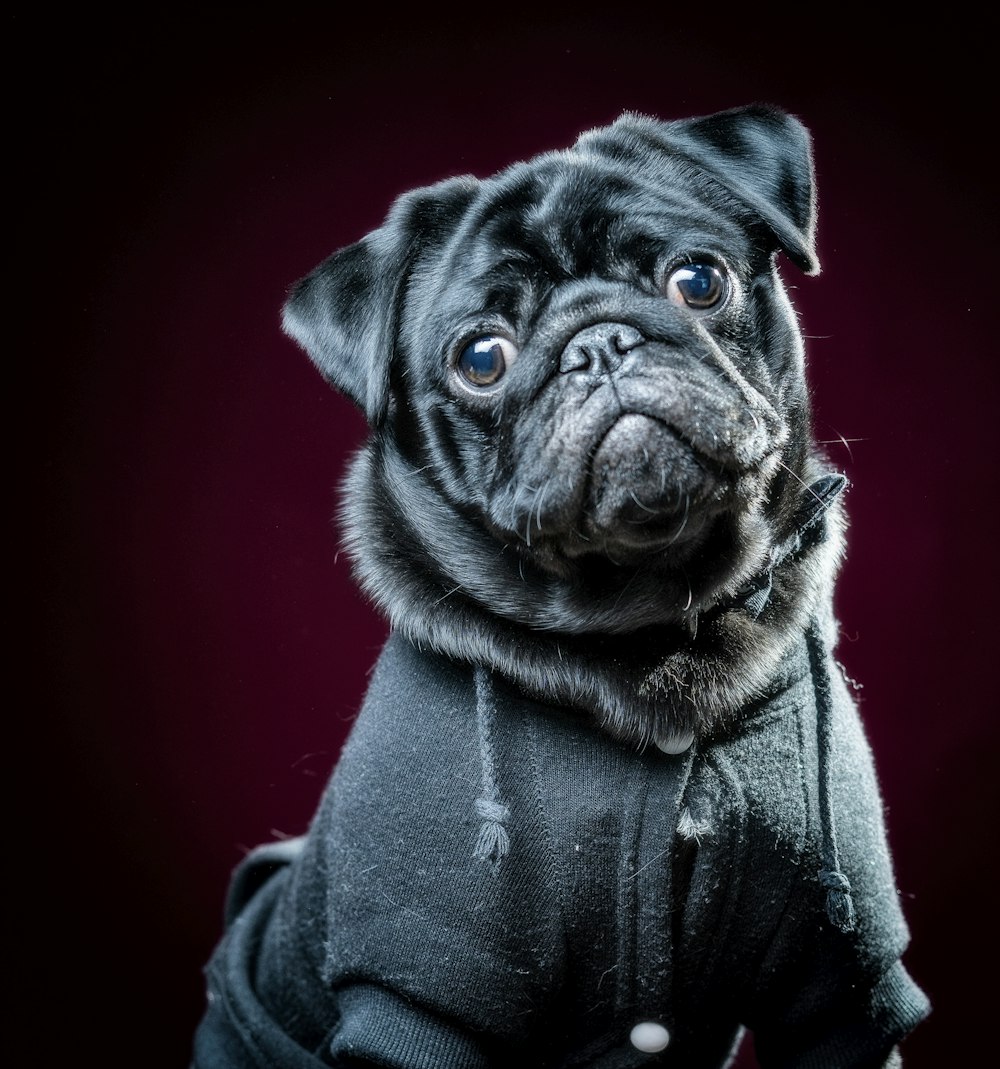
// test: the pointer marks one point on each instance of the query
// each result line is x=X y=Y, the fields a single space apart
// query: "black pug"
x=608 y=802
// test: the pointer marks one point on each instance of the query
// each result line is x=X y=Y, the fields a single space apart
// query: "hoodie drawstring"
x=839 y=904
x=494 y=841
x=810 y=531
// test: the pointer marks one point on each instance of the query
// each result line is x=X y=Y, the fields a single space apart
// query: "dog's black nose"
x=599 y=349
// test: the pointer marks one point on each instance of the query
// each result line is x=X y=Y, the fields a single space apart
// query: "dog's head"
x=584 y=379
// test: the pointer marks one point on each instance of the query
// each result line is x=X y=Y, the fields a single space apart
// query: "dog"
x=608 y=801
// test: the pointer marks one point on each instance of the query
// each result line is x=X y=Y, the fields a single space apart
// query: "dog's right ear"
x=760 y=153
x=344 y=312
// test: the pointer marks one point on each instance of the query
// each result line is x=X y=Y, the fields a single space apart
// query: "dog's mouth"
x=642 y=490
x=647 y=489
x=647 y=492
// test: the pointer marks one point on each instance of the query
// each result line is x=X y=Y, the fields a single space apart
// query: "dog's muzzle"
x=643 y=476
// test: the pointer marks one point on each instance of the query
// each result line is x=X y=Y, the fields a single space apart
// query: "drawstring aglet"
x=839 y=904
x=494 y=842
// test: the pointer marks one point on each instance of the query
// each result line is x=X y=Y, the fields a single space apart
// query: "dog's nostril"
x=627 y=338
x=574 y=358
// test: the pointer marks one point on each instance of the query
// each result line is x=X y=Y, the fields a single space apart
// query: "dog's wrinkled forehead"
x=622 y=196
x=574 y=216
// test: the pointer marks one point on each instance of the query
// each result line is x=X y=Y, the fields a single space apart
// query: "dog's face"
x=584 y=379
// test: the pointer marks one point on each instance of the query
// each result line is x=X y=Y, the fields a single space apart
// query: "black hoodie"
x=688 y=893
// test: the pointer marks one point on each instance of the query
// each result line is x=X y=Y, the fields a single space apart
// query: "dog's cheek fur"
x=450 y=445
x=776 y=366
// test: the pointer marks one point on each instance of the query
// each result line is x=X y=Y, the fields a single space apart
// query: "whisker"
x=844 y=441
x=448 y=594
x=644 y=508
x=513 y=507
x=621 y=593
x=680 y=530
x=538 y=508
x=527 y=525
x=802 y=482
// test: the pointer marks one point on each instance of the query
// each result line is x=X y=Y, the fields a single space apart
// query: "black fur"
x=585 y=526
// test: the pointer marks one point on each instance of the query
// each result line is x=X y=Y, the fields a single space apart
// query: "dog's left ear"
x=761 y=154
x=344 y=312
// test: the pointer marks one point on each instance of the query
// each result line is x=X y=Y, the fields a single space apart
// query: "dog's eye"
x=700 y=287
x=485 y=360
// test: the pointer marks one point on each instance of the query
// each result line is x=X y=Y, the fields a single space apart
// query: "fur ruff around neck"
x=653 y=685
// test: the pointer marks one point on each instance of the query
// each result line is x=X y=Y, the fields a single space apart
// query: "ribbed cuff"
x=898 y=1001
x=860 y=1035
x=386 y=1029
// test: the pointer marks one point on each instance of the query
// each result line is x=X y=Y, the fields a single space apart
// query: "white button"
x=649 y=1037
x=676 y=743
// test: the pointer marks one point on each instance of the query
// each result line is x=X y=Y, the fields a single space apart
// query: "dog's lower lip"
x=644 y=479
x=676 y=533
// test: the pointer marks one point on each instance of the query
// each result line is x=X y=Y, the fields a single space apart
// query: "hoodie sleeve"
x=386 y=941
x=826 y=995
x=238 y=1030
x=372 y=1026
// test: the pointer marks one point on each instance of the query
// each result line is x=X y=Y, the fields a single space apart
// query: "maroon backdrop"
x=194 y=648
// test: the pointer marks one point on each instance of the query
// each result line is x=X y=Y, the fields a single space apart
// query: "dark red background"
x=193 y=649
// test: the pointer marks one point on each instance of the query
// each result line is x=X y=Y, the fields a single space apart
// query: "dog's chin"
x=639 y=470
x=671 y=535
x=626 y=574
x=669 y=541
x=647 y=495
x=680 y=542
